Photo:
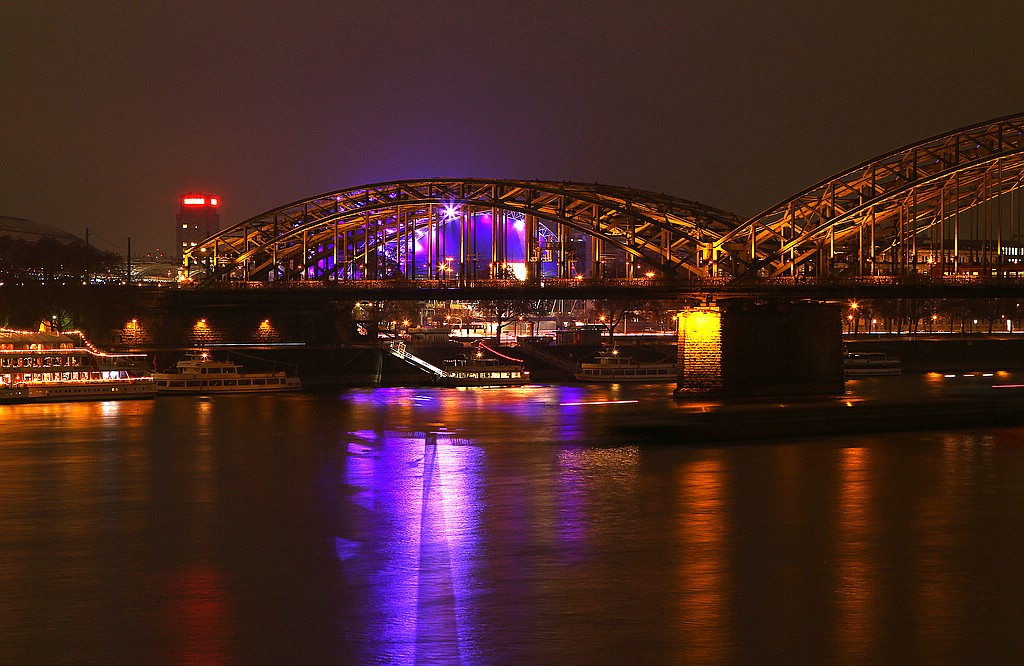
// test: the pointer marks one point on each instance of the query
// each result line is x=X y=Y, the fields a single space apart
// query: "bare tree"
x=505 y=311
x=611 y=312
x=388 y=314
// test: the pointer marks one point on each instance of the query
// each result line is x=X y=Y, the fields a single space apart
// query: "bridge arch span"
x=466 y=229
x=947 y=204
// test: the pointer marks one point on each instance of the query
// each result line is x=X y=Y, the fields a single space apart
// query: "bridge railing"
x=710 y=284
x=422 y=283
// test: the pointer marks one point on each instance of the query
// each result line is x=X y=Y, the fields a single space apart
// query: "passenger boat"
x=480 y=371
x=869 y=364
x=57 y=367
x=199 y=372
x=610 y=366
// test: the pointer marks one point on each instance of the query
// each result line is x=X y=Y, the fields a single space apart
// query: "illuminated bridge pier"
x=745 y=347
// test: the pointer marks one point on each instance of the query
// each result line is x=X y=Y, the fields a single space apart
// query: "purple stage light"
x=450 y=211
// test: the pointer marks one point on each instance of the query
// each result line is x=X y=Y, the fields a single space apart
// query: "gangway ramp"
x=548 y=358
x=398 y=349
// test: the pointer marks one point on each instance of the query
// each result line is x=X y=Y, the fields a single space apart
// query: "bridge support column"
x=751 y=348
x=699 y=352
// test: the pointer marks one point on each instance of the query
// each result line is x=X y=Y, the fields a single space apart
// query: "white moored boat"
x=870 y=364
x=610 y=366
x=59 y=367
x=198 y=372
x=480 y=371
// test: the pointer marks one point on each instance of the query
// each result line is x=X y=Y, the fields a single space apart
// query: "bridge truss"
x=466 y=230
x=946 y=205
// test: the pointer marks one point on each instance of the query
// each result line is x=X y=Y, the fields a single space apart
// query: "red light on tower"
x=194 y=200
x=197 y=220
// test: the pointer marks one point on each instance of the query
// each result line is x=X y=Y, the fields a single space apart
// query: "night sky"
x=111 y=110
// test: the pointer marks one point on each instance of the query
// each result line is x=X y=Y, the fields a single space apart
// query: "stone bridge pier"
x=750 y=348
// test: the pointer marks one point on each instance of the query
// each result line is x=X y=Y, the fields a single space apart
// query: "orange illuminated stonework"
x=700 y=351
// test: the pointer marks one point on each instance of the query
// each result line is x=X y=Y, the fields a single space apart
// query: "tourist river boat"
x=57 y=367
x=199 y=372
x=480 y=371
x=610 y=366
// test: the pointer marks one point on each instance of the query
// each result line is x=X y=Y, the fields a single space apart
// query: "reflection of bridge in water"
x=946 y=207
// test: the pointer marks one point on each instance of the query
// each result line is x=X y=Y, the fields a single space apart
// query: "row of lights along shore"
x=135 y=333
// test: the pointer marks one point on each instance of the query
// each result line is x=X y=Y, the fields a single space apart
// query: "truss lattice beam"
x=357 y=224
x=897 y=197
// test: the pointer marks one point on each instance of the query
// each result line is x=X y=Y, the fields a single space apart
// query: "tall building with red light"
x=197 y=220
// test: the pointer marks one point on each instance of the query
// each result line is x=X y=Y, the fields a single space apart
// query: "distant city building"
x=197 y=220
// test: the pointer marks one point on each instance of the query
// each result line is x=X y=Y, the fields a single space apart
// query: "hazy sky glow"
x=113 y=109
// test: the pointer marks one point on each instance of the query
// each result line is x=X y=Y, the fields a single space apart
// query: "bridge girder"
x=868 y=220
x=325 y=236
x=884 y=207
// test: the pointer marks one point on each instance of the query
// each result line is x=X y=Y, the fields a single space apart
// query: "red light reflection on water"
x=196 y=624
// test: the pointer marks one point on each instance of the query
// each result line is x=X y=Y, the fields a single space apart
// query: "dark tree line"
x=926 y=315
x=48 y=261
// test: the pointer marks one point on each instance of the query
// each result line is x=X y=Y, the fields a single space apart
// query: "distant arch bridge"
x=465 y=230
x=949 y=205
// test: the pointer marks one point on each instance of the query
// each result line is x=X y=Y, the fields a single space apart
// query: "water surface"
x=483 y=526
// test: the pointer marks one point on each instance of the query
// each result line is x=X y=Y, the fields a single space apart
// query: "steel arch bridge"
x=950 y=204
x=945 y=205
x=466 y=230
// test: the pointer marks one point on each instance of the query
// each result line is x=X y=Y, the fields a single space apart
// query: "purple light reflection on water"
x=416 y=542
x=585 y=473
x=416 y=479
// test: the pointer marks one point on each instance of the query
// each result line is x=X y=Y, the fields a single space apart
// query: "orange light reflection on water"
x=856 y=579
x=704 y=581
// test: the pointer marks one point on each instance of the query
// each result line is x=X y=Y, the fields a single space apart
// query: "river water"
x=496 y=526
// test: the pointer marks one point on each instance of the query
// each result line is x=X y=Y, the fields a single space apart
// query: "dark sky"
x=110 y=110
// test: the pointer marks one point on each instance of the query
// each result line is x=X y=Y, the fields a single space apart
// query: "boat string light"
x=497 y=353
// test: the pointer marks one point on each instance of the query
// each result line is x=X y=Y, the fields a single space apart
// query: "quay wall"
x=337 y=351
x=938 y=353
